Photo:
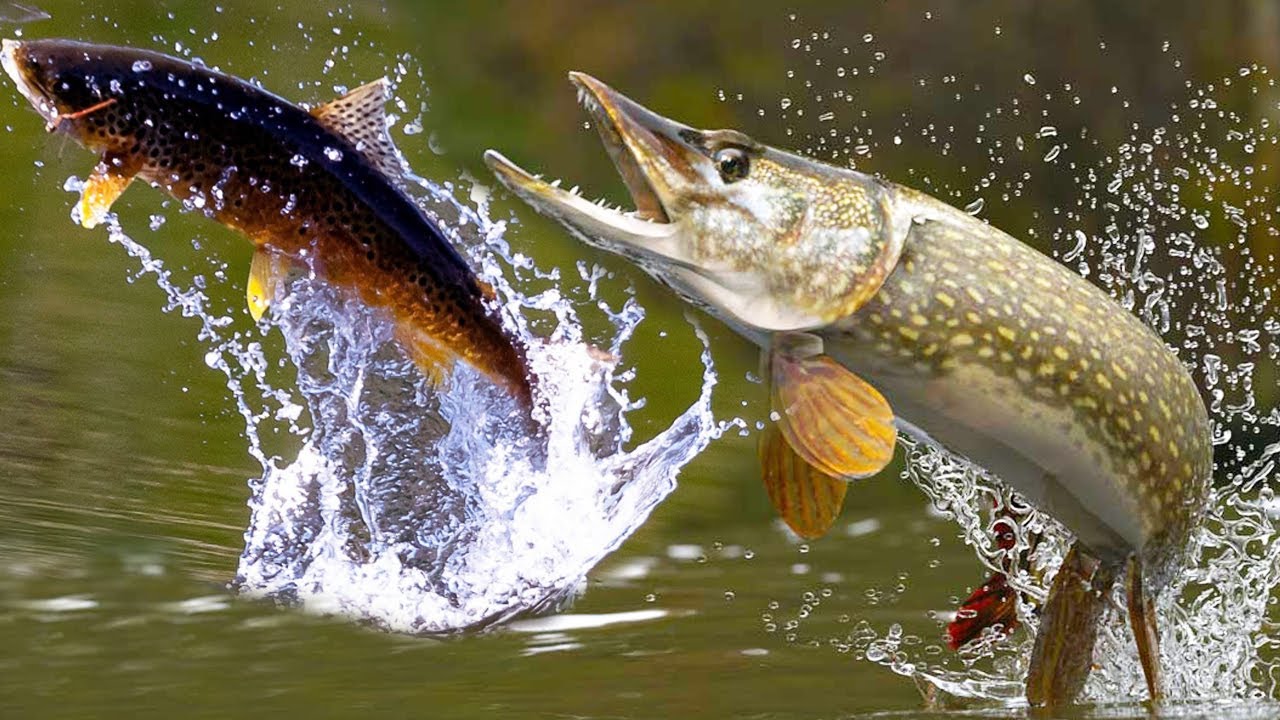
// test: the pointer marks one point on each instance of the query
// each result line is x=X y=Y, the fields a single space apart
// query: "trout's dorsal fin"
x=265 y=271
x=832 y=418
x=359 y=117
x=107 y=183
x=807 y=500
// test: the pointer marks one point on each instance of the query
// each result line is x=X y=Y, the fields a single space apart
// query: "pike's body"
x=1010 y=359
x=313 y=187
x=874 y=303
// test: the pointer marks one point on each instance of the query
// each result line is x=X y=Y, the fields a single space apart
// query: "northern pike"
x=880 y=308
x=314 y=187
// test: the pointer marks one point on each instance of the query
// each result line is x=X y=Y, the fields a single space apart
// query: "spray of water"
x=428 y=510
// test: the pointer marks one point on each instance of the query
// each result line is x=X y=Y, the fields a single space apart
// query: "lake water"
x=1136 y=144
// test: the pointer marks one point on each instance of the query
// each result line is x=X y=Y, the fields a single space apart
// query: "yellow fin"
x=359 y=117
x=434 y=359
x=265 y=271
x=808 y=500
x=100 y=192
x=832 y=418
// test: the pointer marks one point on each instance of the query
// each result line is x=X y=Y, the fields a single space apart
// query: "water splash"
x=429 y=510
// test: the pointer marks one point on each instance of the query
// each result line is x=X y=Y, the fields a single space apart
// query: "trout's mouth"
x=653 y=155
x=17 y=64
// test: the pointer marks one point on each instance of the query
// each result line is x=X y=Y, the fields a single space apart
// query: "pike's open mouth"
x=647 y=149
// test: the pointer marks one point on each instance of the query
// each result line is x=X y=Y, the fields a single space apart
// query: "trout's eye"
x=732 y=163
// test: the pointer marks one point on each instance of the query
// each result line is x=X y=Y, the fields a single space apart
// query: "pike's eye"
x=732 y=163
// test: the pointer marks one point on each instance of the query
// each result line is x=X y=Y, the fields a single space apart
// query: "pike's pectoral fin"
x=833 y=419
x=807 y=499
x=265 y=273
x=359 y=117
x=107 y=183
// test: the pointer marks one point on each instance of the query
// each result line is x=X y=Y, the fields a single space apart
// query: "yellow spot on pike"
x=1061 y=353
x=962 y=339
x=945 y=299
x=909 y=333
x=1007 y=333
x=1103 y=381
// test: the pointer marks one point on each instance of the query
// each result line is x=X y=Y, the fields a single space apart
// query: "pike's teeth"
x=574 y=190
x=555 y=183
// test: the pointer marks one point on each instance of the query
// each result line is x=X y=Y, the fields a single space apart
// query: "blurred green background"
x=123 y=466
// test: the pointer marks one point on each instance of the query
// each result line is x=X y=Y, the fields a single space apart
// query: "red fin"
x=992 y=604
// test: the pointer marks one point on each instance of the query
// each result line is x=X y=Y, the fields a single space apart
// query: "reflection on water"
x=123 y=468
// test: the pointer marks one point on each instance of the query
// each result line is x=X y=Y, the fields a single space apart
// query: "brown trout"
x=316 y=188
x=878 y=308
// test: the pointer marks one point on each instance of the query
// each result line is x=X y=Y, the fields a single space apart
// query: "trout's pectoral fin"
x=102 y=189
x=808 y=500
x=434 y=359
x=833 y=419
x=266 y=270
x=359 y=117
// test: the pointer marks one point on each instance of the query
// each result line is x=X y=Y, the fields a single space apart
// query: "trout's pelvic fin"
x=359 y=117
x=433 y=358
x=265 y=273
x=832 y=419
x=107 y=183
x=808 y=500
x=1063 y=653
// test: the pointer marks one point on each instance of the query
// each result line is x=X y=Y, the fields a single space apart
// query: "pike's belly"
x=1035 y=446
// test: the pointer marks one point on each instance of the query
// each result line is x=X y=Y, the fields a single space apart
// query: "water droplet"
x=975 y=207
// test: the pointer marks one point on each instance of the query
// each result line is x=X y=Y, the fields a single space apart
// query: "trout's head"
x=74 y=86
x=771 y=239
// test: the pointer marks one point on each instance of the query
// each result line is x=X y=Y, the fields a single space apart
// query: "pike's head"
x=756 y=235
